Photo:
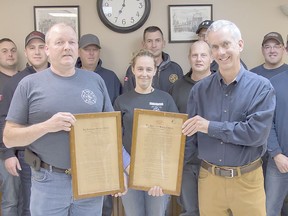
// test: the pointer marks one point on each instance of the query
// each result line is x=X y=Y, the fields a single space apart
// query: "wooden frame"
x=96 y=155
x=46 y=16
x=157 y=151
x=185 y=19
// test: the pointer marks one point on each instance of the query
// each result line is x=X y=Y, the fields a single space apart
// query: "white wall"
x=255 y=18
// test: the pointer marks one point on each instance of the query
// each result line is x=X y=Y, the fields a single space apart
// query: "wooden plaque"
x=157 y=151
x=96 y=155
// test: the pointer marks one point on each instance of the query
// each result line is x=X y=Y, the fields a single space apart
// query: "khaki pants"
x=244 y=195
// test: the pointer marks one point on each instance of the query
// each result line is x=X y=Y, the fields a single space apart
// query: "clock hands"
x=121 y=10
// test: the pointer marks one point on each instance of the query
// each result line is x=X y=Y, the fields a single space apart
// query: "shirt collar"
x=236 y=80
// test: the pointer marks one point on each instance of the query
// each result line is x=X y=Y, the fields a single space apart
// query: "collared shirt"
x=240 y=116
x=214 y=66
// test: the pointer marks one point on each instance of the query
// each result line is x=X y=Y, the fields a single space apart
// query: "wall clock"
x=123 y=16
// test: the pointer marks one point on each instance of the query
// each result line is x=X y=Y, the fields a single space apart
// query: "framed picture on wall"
x=46 y=16
x=184 y=21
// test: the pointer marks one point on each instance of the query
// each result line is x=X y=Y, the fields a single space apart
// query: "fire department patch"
x=173 y=78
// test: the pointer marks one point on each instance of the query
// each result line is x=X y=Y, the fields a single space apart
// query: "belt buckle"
x=232 y=174
x=68 y=171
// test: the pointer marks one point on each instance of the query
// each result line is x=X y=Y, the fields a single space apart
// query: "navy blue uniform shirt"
x=278 y=138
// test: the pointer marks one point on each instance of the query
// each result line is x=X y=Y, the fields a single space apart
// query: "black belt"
x=231 y=172
x=54 y=169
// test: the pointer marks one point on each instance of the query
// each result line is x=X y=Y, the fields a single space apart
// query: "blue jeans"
x=51 y=195
x=188 y=198
x=12 y=200
x=276 y=185
x=25 y=176
x=139 y=203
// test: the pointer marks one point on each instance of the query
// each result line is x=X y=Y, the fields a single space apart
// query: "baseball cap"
x=34 y=35
x=89 y=39
x=204 y=25
x=273 y=35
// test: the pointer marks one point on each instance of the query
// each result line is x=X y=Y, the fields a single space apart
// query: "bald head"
x=59 y=27
x=199 y=45
x=200 y=57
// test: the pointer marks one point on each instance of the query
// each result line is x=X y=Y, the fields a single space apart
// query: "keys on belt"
x=230 y=172
x=55 y=169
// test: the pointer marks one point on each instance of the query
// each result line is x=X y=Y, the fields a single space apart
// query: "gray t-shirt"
x=126 y=103
x=269 y=73
x=39 y=96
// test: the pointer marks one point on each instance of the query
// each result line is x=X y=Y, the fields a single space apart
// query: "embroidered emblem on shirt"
x=156 y=106
x=89 y=97
x=173 y=78
x=126 y=79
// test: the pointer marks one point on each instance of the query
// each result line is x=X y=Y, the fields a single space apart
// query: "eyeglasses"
x=275 y=47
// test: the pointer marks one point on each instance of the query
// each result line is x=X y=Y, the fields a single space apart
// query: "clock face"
x=123 y=15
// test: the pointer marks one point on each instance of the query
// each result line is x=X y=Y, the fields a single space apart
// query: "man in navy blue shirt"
x=230 y=113
x=277 y=167
x=273 y=50
x=10 y=185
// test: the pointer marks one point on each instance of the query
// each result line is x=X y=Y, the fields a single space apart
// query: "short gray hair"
x=230 y=26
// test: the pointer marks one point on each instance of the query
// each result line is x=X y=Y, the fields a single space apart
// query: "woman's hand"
x=156 y=191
